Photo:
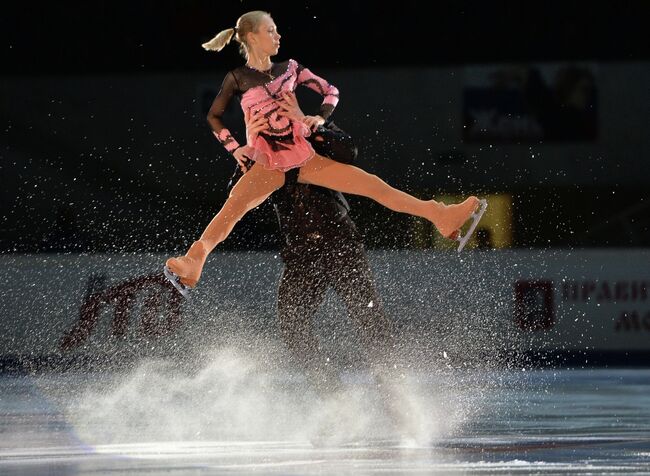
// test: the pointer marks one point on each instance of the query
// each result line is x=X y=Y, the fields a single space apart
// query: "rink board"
x=98 y=304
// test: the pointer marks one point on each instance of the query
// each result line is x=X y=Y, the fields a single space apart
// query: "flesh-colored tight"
x=259 y=183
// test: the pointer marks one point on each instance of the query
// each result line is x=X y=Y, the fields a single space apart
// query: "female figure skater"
x=279 y=145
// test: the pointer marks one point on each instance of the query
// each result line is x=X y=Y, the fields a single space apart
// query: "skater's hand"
x=242 y=159
x=255 y=123
x=313 y=122
x=290 y=107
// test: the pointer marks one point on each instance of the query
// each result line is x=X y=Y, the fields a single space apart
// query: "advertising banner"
x=120 y=306
x=530 y=103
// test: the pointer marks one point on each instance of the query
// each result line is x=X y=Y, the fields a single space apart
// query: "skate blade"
x=176 y=282
x=476 y=217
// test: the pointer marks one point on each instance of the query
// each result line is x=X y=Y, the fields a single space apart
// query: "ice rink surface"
x=225 y=420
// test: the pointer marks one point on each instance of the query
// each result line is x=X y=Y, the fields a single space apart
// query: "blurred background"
x=104 y=144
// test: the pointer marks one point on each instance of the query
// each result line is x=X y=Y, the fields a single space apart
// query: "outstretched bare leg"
x=250 y=191
x=350 y=179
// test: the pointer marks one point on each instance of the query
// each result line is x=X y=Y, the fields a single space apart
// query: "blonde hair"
x=246 y=23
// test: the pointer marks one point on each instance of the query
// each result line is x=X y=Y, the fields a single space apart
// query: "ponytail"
x=222 y=39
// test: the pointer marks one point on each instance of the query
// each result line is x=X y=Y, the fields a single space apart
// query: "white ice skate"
x=476 y=217
x=176 y=281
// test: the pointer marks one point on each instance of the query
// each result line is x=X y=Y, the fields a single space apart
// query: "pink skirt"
x=286 y=155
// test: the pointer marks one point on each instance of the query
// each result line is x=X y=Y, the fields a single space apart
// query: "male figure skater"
x=323 y=249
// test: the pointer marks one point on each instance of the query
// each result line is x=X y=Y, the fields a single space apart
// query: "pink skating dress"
x=282 y=146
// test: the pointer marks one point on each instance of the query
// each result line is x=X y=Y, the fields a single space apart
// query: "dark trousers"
x=307 y=276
